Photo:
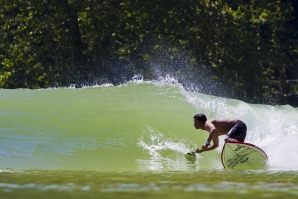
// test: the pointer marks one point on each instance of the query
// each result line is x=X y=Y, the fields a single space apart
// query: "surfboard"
x=238 y=155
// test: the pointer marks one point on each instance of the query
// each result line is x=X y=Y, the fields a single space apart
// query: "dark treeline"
x=248 y=46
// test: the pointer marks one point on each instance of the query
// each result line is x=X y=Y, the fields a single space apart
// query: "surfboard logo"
x=242 y=155
x=239 y=147
x=245 y=160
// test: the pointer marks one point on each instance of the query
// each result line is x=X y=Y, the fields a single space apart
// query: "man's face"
x=198 y=124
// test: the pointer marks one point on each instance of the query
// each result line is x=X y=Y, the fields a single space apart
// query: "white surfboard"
x=243 y=155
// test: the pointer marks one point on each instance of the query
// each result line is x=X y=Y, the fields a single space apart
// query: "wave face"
x=138 y=126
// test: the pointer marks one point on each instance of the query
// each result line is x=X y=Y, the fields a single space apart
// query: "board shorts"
x=238 y=131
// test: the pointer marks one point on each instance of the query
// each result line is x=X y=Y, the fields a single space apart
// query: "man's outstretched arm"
x=212 y=147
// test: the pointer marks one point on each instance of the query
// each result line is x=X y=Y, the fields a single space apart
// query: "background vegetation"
x=245 y=48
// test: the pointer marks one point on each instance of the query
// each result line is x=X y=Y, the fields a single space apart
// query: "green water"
x=130 y=141
x=207 y=183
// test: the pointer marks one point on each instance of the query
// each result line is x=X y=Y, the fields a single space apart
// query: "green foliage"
x=249 y=45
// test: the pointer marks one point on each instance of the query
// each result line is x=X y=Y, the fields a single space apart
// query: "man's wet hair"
x=200 y=117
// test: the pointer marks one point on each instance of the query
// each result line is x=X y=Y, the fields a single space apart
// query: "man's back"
x=223 y=126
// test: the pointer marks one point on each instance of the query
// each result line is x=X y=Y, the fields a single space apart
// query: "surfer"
x=234 y=129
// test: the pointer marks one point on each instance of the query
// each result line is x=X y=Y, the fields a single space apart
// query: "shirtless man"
x=235 y=130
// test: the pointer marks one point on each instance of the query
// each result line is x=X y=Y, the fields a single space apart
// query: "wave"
x=141 y=125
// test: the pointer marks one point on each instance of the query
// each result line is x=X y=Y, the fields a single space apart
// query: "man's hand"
x=205 y=146
x=199 y=151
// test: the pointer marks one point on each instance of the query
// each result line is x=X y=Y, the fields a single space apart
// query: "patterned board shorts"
x=238 y=131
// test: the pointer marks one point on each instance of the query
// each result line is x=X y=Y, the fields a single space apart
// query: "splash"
x=159 y=142
x=164 y=152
